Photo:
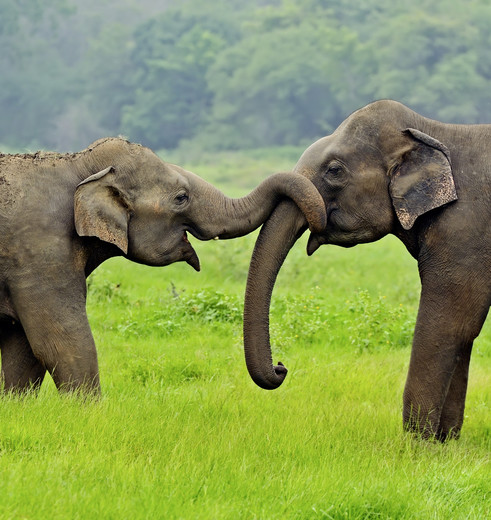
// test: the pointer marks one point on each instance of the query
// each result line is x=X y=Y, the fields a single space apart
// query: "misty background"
x=232 y=74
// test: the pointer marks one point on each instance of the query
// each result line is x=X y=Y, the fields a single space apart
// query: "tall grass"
x=182 y=433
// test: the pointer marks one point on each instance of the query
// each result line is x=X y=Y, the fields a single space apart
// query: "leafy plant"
x=373 y=325
x=101 y=290
x=211 y=306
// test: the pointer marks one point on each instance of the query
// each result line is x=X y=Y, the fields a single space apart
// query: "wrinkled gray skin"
x=62 y=215
x=387 y=170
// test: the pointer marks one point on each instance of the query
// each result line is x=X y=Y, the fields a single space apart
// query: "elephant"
x=62 y=215
x=388 y=170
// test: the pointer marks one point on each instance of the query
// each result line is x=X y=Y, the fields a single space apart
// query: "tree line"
x=232 y=74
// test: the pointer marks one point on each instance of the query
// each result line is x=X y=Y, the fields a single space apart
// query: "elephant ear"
x=423 y=181
x=101 y=210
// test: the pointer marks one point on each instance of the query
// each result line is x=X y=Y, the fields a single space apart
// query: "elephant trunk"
x=224 y=217
x=275 y=240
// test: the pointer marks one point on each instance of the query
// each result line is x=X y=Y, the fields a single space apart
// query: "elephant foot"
x=424 y=425
x=428 y=430
x=447 y=435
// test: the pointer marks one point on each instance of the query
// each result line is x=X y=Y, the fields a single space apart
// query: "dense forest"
x=232 y=74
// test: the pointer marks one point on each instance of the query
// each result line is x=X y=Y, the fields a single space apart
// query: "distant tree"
x=62 y=71
x=29 y=61
x=169 y=63
x=435 y=63
x=232 y=73
x=287 y=84
x=110 y=73
x=261 y=98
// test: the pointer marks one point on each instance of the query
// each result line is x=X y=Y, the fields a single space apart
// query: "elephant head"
x=380 y=172
x=146 y=207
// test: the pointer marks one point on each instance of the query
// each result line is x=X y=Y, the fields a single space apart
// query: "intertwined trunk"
x=224 y=217
x=275 y=240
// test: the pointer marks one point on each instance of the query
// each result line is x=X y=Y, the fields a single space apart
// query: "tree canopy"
x=233 y=74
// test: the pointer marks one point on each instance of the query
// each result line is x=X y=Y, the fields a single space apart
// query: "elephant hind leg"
x=55 y=322
x=452 y=414
x=21 y=371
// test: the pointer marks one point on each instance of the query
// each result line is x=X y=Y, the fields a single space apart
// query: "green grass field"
x=181 y=432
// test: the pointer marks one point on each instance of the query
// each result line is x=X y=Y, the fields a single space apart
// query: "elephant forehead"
x=313 y=157
x=165 y=177
x=153 y=189
x=358 y=132
x=359 y=146
x=357 y=139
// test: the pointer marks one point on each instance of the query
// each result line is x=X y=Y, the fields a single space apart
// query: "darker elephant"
x=62 y=215
x=387 y=169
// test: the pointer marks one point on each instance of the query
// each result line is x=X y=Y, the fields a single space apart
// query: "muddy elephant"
x=388 y=170
x=63 y=215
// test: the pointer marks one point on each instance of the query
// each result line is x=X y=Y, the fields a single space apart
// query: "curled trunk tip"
x=268 y=378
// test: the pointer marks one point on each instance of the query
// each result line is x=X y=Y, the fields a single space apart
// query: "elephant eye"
x=181 y=198
x=333 y=170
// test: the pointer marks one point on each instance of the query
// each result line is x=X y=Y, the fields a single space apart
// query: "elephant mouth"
x=318 y=239
x=315 y=241
x=197 y=233
x=190 y=255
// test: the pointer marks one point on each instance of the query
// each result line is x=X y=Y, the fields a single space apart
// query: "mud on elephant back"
x=63 y=215
x=387 y=169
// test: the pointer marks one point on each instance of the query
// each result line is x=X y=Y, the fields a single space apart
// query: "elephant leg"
x=449 y=319
x=58 y=331
x=21 y=371
x=452 y=415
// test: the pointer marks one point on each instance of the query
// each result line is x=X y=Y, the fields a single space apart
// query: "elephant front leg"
x=21 y=371
x=58 y=332
x=448 y=322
